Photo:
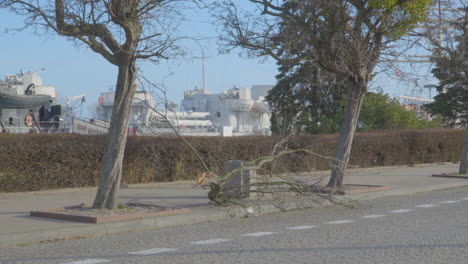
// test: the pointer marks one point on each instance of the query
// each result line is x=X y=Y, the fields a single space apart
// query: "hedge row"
x=39 y=162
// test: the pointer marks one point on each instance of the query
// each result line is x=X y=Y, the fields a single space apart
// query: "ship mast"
x=203 y=58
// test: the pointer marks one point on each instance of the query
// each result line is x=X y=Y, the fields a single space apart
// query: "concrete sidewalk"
x=18 y=228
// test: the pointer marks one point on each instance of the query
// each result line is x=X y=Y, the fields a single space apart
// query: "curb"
x=456 y=176
x=198 y=215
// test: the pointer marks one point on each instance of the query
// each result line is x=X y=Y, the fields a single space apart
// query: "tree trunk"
x=109 y=182
x=464 y=155
x=345 y=139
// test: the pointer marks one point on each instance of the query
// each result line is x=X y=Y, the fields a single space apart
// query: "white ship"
x=236 y=111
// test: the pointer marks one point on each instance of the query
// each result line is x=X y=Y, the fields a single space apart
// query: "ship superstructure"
x=242 y=110
x=140 y=113
x=236 y=111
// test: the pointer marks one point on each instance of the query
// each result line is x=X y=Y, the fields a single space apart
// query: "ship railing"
x=46 y=127
x=166 y=130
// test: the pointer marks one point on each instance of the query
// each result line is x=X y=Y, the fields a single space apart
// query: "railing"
x=18 y=127
x=144 y=130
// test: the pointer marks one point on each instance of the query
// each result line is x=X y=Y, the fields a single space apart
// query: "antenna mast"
x=203 y=58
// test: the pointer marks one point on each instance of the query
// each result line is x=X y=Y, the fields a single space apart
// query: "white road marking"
x=89 y=261
x=400 y=211
x=372 y=216
x=210 y=241
x=427 y=205
x=449 y=202
x=466 y=199
x=259 y=234
x=339 y=222
x=300 y=227
x=152 y=251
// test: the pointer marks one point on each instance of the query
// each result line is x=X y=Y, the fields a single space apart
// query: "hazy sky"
x=78 y=70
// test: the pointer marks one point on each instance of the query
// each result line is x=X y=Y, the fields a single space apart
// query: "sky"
x=78 y=70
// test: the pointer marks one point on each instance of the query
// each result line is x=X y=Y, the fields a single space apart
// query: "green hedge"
x=39 y=162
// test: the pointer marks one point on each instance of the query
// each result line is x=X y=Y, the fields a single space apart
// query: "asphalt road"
x=422 y=228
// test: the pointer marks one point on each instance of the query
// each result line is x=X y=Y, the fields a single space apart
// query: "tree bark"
x=109 y=183
x=346 y=136
x=464 y=155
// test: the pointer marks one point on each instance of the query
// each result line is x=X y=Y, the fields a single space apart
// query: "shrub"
x=39 y=162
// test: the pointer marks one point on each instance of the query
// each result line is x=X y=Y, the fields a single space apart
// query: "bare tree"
x=122 y=32
x=344 y=37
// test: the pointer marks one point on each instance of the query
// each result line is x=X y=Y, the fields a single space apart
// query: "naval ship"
x=28 y=106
